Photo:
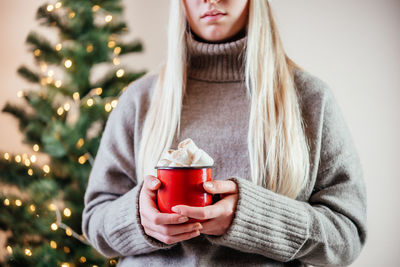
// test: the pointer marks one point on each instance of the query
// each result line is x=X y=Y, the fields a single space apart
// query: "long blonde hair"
x=277 y=144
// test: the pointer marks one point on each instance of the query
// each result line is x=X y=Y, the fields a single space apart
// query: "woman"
x=289 y=176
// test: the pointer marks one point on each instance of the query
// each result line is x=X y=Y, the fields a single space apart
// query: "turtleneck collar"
x=216 y=62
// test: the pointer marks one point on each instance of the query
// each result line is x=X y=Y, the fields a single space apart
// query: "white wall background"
x=353 y=45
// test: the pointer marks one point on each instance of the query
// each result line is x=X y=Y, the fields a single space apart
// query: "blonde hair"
x=277 y=144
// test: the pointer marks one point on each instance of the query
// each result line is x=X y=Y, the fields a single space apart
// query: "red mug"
x=183 y=186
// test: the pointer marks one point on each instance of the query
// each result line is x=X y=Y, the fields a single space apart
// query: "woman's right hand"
x=168 y=228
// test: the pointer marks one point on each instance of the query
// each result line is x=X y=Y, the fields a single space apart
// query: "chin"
x=214 y=38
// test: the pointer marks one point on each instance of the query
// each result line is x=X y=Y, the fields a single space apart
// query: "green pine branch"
x=47 y=52
x=133 y=47
x=28 y=74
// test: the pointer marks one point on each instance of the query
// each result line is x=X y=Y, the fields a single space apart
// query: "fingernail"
x=175 y=209
x=154 y=183
x=199 y=226
x=195 y=233
x=208 y=185
x=183 y=219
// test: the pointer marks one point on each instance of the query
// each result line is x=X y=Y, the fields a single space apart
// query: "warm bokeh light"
x=68 y=63
x=120 y=73
x=108 y=18
x=54 y=226
x=46 y=168
x=67 y=212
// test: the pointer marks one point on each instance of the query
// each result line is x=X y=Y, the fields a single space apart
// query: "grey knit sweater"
x=325 y=225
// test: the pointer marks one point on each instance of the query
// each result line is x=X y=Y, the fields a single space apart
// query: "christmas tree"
x=63 y=119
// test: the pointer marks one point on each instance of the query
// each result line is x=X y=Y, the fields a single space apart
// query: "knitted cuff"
x=266 y=223
x=123 y=228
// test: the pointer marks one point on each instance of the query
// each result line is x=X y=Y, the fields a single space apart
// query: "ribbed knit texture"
x=325 y=225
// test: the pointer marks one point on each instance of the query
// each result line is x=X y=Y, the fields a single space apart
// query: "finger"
x=210 y=227
x=151 y=183
x=158 y=218
x=201 y=213
x=172 y=239
x=171 y=229
x=220 y=187
x=149 y=210
x=178 y=229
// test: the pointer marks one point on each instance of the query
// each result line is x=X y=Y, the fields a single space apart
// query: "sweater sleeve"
x=329 y=229
x=110 y=218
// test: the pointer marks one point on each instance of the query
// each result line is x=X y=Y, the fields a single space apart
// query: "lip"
x=213 y=14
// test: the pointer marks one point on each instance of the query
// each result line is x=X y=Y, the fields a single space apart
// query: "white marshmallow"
x=188 y=154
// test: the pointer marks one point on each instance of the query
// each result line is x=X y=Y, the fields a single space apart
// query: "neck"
x=216 y=62
x=233 y=38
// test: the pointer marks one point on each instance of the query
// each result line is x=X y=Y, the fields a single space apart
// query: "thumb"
x=220 y=187
x=151 y=182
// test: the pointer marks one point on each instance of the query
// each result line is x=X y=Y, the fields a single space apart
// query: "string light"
x=18 y=158
x=117 y=50
x=124 y=89
x=89 y=48
x=80 y=143
x=20 y=94
x=114 y=103
x=71 y=14
x=50 y=8
x=50 y=73
x=99 y=91
x=35 y=147
x=27 y=162
x=108 y=107
x=67 y=212
x=54 y=226
x=90 y=102
x=65 y=264
x=58 y=83
x=67 y=106
x=120 y=73
x=9 y=250
x=49 y=80
x=68 y=231
x=32 y=207
x=58 y=4
x=113 y=262
x=58 y=47
x=33 y=158
x=6 y=156
x=116 y=61
x=108 y=18
x=30 y=172
x=82 y=259
x=46 y=168
x=68 y=63
x=53 y=244
x=82 y=159
x=75 y=96
x=60 y=111
x=43 y=81
x=67 y=250
x=37 y=52
x=95 y=8
x=28 y=252
x=52 y=207
x=43 y=66
x=18 y=203
x=6 y=202
x=111 y=44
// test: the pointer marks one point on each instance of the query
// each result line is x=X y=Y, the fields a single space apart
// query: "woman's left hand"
x=219 y=215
